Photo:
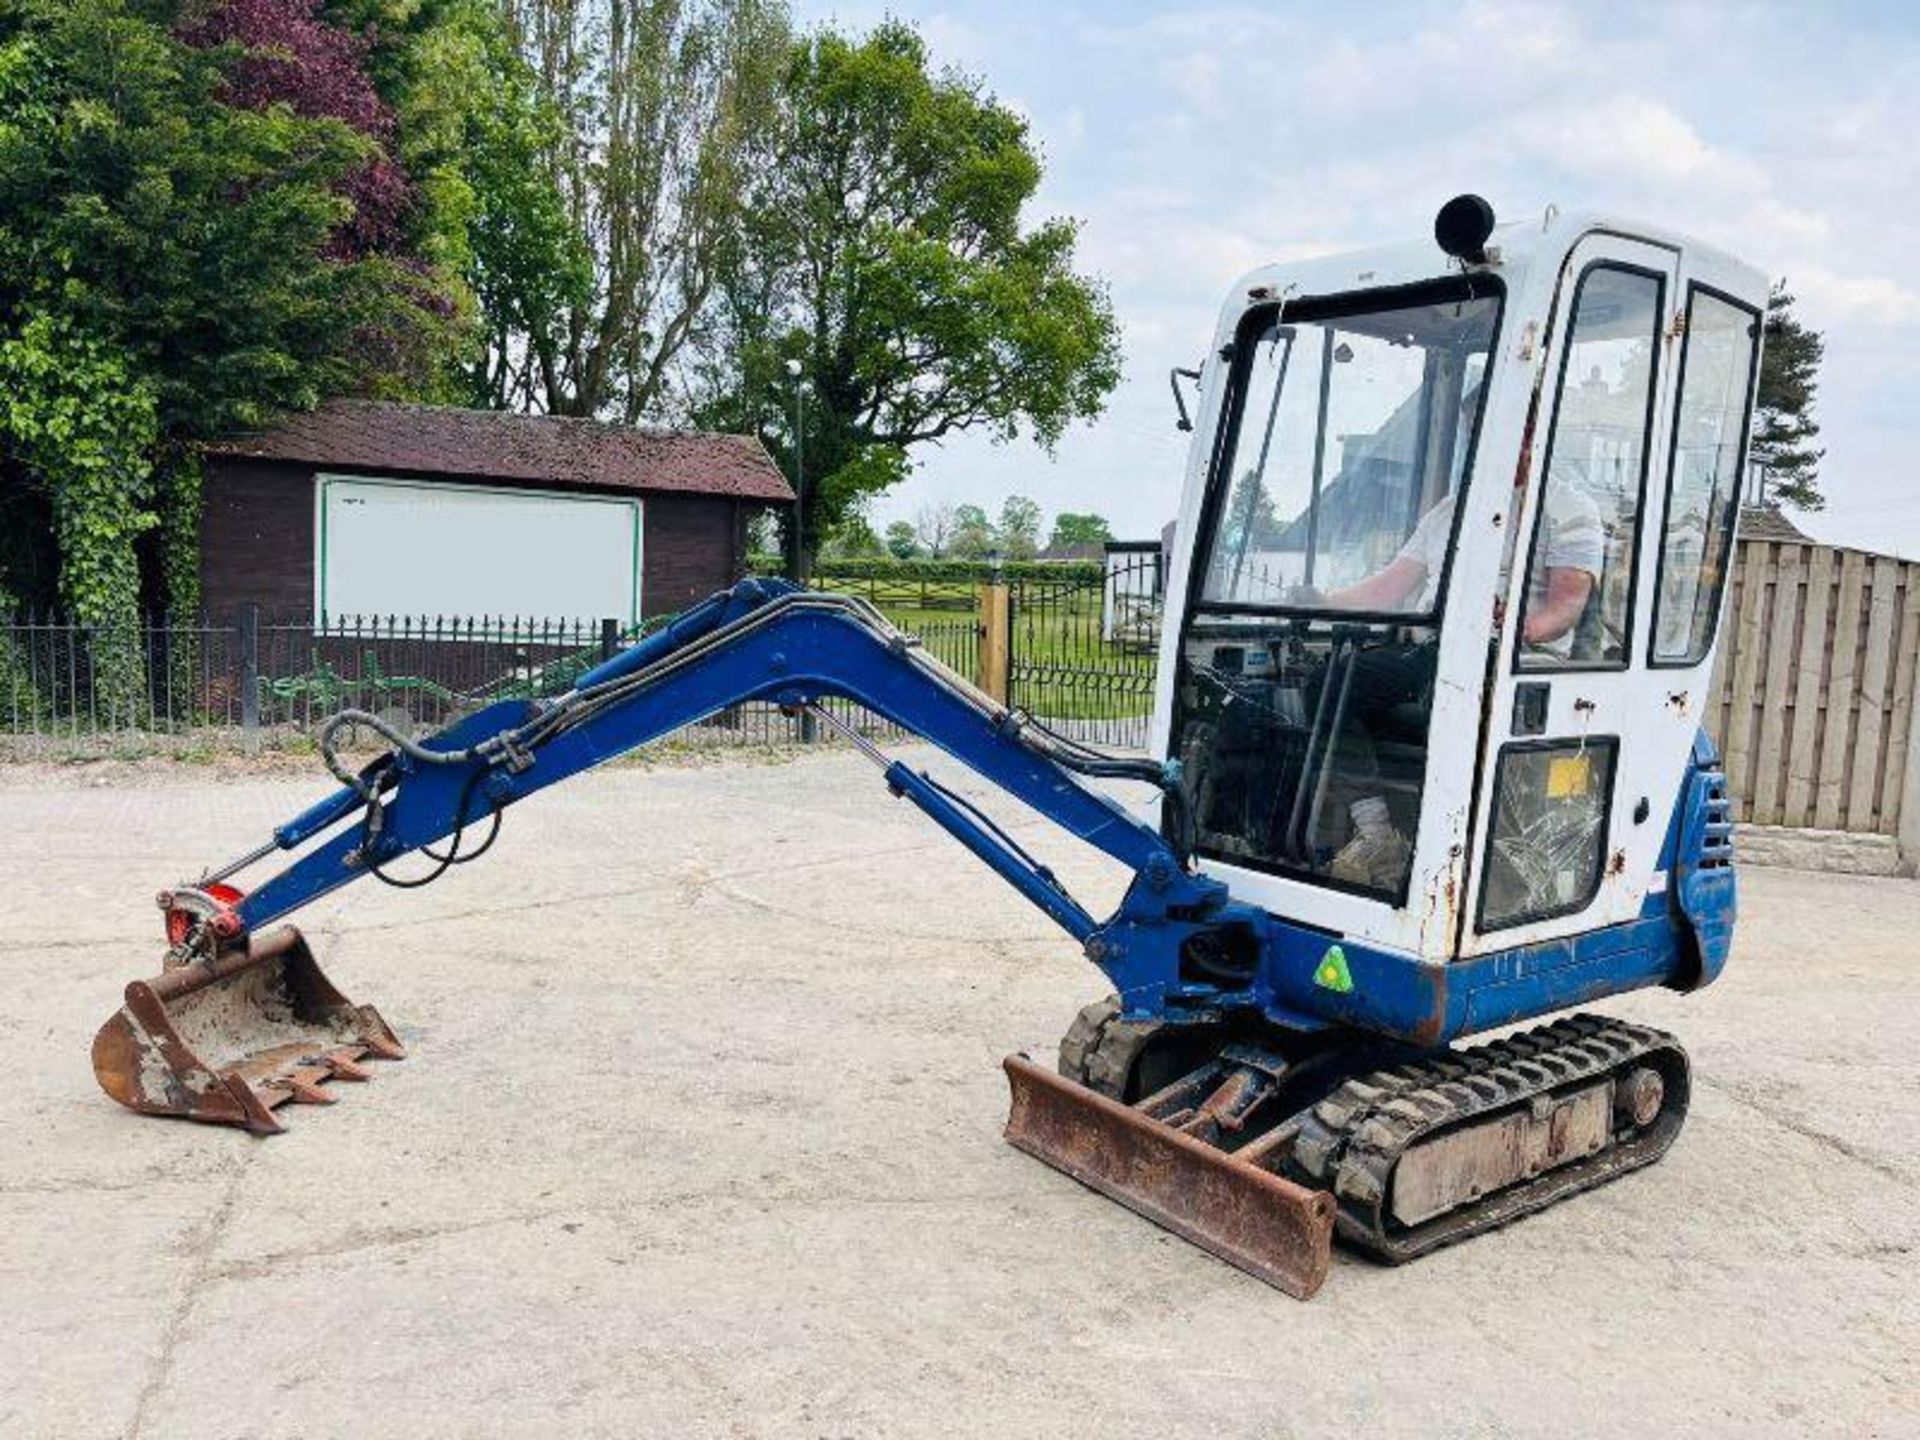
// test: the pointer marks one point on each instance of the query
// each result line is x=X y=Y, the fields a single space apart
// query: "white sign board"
x=422 y=549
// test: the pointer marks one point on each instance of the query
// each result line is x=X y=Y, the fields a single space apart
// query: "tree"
x=973 y=533
x=285 y=54
x=1249 y=523
x=84 y=423
x=476 y=134
x=1784 y=428
x=664 y=109
x=933 y=525
x=1019 y=527
x=1072 y=529
x=763 y=535
x=182 y=254
x=885 y=251
x=854 y=536
x=901 y=541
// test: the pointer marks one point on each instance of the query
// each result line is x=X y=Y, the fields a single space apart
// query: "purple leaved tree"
x=295 y=58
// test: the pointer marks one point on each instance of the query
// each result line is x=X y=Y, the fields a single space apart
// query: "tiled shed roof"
x=537 y=449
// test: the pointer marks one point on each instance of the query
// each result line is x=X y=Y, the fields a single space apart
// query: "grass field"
x=1063 y=668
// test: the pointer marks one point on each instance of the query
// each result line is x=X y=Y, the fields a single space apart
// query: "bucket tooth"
x=379 y=1040
x=306 y=1090
x=1263 y=1223
x=342 y=1066
x=228 y=1039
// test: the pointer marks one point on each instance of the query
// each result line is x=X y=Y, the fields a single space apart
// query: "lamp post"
x=797 y=556
x=797 y=559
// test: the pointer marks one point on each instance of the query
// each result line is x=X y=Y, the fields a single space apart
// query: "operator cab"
x=1462 y=520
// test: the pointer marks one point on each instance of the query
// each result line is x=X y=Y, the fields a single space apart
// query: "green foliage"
x=901 y=542
x=653 y=117
x=195 y=234
x=1784 y=428
x=1019 y=527
x=19 y=701
x=885 y=251
x=169 y=273
x=477 y=136
x=1072 y=528
x=82 y=420
x=973 y=534
x=179 y=484
x=853 y=538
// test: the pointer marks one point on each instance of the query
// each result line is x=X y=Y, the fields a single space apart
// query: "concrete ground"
x=699 y=1135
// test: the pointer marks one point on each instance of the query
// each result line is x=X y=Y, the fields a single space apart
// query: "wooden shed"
x=364 y=508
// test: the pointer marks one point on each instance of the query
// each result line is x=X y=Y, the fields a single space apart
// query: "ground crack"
x=199 y=1257
x=1805 y=1131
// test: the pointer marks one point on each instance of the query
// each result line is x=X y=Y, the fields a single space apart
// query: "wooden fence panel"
x=1773 y=734
x=1812 y=697
x=1842 y=696
x=1748 y=635
x=1900 y=721
x=1810 y=680
x=1870 y=723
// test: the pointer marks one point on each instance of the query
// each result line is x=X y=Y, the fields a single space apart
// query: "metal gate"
x=1082 y=651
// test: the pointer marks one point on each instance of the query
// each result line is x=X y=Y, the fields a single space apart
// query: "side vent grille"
x=1716 y=830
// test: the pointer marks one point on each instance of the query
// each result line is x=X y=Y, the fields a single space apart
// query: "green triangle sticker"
x=1332 y=972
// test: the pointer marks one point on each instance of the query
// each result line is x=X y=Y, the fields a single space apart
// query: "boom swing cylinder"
x=1327 y=899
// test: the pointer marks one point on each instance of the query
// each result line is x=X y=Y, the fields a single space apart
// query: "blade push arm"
x=766 y=641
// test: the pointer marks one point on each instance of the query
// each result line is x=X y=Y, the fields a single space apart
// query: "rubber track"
x=1351 y=1140
x=1099 y=1049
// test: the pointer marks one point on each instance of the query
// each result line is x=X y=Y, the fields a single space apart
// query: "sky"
x=1194 y=143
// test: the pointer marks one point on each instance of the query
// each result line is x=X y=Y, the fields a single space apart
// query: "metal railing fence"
x=1083 y=652
x=1813 y=699
x=254 y=674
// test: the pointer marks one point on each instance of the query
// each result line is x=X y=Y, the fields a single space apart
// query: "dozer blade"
x=227 y=1040
x=1265 y=1224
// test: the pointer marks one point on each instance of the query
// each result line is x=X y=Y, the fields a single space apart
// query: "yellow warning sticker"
x=1569 y=777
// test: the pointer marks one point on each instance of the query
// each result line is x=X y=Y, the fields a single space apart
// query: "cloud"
x=1195 y=78
x=1855 y=299
x=1631 y=137
x=1532 y=33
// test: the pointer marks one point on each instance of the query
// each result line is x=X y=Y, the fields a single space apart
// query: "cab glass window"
x=1703 y=485
x=1549 y=830
x=1579 y=600
x=1352 y=425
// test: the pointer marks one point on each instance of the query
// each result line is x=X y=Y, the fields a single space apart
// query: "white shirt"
x=1572 y=539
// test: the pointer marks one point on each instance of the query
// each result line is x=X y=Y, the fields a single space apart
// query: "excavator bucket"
x=1248 y=1216
x=229 y=1039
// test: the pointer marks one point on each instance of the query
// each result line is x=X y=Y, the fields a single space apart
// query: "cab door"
x=1583 y=745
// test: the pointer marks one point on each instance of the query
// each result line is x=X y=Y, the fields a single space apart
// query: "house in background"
x=1765 y=522
x=364 y=509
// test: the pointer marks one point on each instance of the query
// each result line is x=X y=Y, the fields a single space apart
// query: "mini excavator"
x=1426 y=762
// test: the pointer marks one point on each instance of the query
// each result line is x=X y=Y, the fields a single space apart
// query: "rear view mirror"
x=1184 y=424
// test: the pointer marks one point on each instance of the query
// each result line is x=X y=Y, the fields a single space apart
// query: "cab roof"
x=1515 y=248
